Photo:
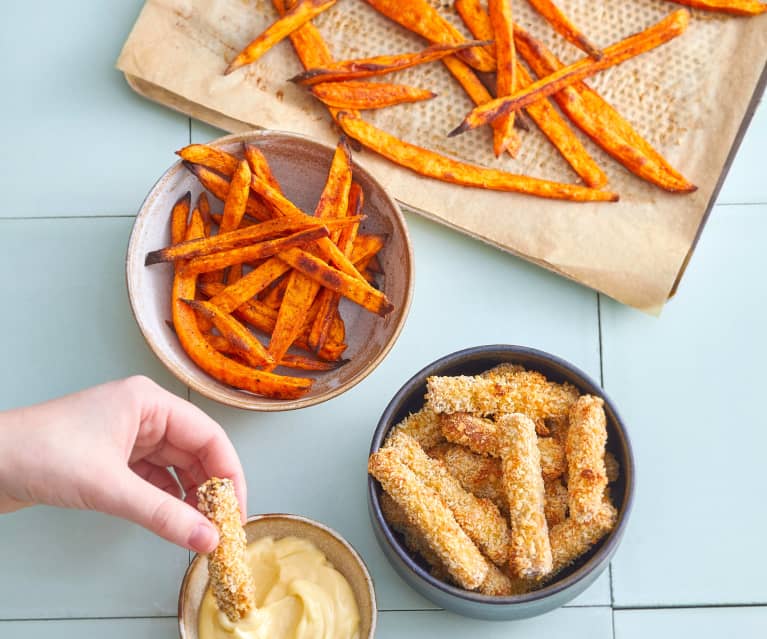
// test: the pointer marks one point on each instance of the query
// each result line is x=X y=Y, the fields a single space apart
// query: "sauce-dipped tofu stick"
x=431 y=517
x=530 y=552
x=585 y=450
x=230 y=577
x=480 y=518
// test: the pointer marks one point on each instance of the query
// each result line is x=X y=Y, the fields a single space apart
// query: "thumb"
x=139 y=501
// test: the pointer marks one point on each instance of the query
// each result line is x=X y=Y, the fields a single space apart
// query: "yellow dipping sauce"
x=299 y=595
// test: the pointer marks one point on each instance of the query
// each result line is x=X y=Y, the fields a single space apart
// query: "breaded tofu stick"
x=478 y=474
x=230 y=577
x=480 y=518
x=498 y=584
x=423 y=426
x=502 y=371
x=414 y=540
x=480 y=435
x=570 y=539
x=431 y=518
x=530 y=550
x=555 y=505
x=585 y=449
x=612 y=467
x=527 y=392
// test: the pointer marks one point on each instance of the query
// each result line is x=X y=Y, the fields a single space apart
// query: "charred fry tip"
x=170 y=325
x=187 y=198
x=153 y=257
x=192 y=303
x=233 y=66
x=461 y=128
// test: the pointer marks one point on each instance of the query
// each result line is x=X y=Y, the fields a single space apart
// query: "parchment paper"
x=688 y=98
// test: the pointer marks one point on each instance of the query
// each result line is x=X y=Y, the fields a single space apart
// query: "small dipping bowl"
x=572 y=581
x=337 y=550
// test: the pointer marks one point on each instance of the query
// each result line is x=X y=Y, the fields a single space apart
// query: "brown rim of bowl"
x=494 y=351
x=336 y=535
x=248 y=403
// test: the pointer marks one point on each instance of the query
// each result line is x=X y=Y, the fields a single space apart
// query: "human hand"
x=108 y=448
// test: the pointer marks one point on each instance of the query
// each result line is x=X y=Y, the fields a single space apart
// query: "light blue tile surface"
x=79 y=629
x=67 y=322
x=690 y=387
x=701 y=623
x=566 y=623
x=313 y=462
x=202 y=133
x=745 y=183
x=76 y=139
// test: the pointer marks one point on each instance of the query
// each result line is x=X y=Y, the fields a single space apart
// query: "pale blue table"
x=689 y=384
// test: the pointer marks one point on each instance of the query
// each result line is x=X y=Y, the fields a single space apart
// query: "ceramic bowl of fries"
x=268 y=271
x=501 y=482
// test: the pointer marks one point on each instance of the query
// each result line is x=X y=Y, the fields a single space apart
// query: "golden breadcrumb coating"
x=414 y=540
x=502 y=371
x=480 y=435
x=230 y=577
x=476 y=433
x=499 y=584
x=555 y=506
x=527 y=392
x=478 y=474
x=429 y=515
x=557 y=427
x=521 y=464
x=480 y=518
x=571 y=539
x=553 y=463
x=423 y=426
x=612 y=467
x=585 y=449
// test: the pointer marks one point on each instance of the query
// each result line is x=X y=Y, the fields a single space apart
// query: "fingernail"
x=203 y=538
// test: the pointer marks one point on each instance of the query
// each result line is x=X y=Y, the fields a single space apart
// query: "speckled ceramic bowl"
x=570 y=582
x=301 y=166
x=338 y=551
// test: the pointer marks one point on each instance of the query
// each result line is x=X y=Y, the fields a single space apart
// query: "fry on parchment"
x=530 y=550
x=423 y=426
x=601 y=122
x=670 y=27
x=244 y=342
x=358 y=94
x=230 y=578
x=542 y=112
x=379 y=65
x=570 y=539
x=431 y=164
x=735 y=7
x=299 y=15
x=420 y=17
x=528 y=392
x=480 y=518
x=431 y=517
x=564 y=27
x=504 y=136
x=585 y=449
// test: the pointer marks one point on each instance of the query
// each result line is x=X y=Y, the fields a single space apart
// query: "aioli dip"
x=299 y=595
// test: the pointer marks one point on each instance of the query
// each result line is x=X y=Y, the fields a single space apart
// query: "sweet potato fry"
x=275 y=293
x=204 y=207
x=379 y=65
x=601 y=122
x=219 y=187
x=244 y=342
x=564 y=27
x=421 y=18
x=267 y=248
x=259 y=165
x=670 y=27
x=505 y=74
x=360 y=292
x=211 y=361
x=300 y=14
x=236 y=198
x=178 y=218
x=309 y=45
x=366 y=246
x=440 y=167
x=734 y=7
x=233 y=239
x=231 y=297
x=356 y=94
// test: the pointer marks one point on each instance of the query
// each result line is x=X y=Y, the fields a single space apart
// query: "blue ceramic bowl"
x=570 y=582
